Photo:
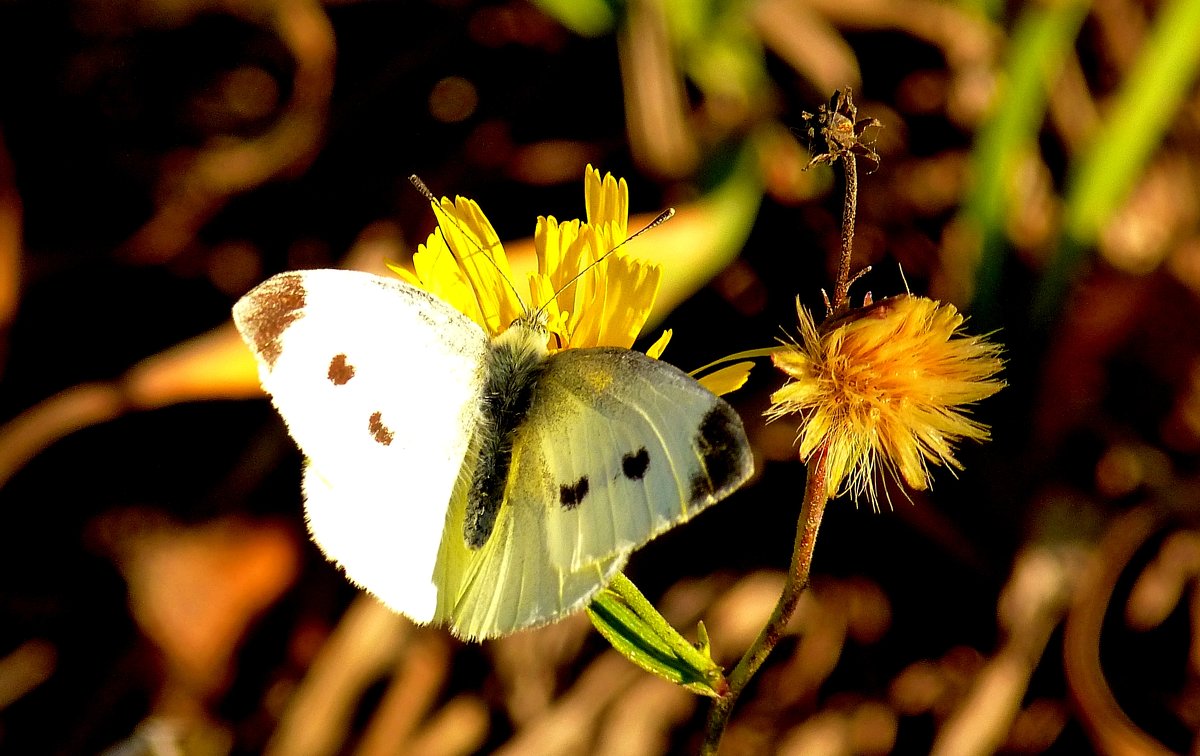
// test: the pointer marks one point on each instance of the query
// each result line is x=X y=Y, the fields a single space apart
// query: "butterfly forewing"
x=379 y=384
x=620 y=447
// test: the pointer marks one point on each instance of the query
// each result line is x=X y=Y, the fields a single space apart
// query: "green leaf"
x=587 y=18
x=1041 y=39
x=639 y=633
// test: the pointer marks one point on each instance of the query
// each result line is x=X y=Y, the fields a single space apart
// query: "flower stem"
x=841 y=294
x=815 y=496
x=816 y=487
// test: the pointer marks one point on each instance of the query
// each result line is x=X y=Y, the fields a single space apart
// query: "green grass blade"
x=1116 y=158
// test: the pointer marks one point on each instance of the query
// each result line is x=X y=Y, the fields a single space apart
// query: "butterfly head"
x=532 y=327
x=533 y=319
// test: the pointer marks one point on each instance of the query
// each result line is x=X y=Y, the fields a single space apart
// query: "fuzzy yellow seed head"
x=885 y=386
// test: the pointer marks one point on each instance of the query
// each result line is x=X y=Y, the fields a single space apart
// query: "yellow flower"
x=885 y=386
x=605 y=306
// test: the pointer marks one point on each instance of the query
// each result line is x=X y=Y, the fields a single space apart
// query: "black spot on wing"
x=340 y=371
x=571 y=496
x=380 y=432
x=724 y=452
x=634 y=464
x=267 y=311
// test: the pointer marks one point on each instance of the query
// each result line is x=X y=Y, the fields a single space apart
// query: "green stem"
x=749 y=354
x=815 y=496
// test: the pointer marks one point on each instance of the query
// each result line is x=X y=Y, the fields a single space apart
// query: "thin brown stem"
x=841 y=294
x=811 y=512
x=816 y=488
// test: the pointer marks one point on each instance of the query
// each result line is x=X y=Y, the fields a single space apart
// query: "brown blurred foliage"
x=157 y=159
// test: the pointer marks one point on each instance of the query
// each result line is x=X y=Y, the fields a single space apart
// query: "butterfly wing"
x=510 y=583
x=615 y=449
x=629 y=446
x=379 y=384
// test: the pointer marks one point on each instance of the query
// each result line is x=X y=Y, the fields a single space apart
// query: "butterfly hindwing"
x=621 y=447
x=379 y=383
x=510 y=582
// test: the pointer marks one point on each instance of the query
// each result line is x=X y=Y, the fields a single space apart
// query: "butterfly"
x=482 y=483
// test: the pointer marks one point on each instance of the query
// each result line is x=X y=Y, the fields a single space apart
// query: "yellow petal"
x=558 y=248
x=563 y=251
x=607 y=201
x=632 y=287
x=405 y=274
x=728 y=379
x=657 y=348
x=439 y=273
x=588 y=296
x=470 y=235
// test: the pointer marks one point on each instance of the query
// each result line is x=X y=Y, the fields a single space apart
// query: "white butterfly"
x=484 y=484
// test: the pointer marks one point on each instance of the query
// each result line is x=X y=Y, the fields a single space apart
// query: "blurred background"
x=1040 y=166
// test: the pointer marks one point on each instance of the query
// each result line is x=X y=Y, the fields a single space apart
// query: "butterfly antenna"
x=416 y=181
x=903 y=278
x=662 y=218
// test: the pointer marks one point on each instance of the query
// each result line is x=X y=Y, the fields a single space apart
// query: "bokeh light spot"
x=453 y=99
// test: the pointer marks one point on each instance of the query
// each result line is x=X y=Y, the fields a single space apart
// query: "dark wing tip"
x=264 y=313
x=724 y=454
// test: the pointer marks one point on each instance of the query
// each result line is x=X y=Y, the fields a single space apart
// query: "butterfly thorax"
x=515 y=361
